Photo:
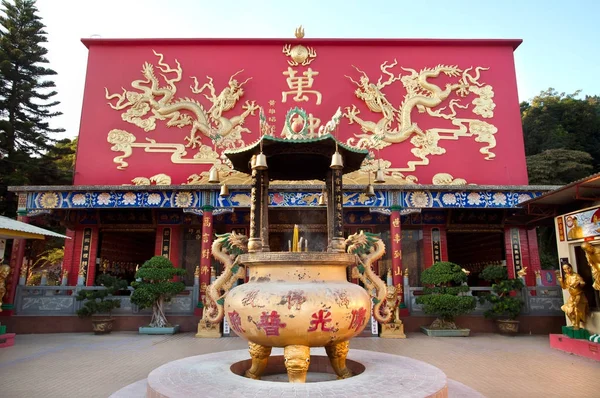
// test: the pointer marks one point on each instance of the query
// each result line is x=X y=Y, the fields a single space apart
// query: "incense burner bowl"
x=297 y=298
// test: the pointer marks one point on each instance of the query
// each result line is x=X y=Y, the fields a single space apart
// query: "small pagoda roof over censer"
x=297 y=159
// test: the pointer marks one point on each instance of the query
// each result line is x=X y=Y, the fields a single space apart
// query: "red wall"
x=115 y=64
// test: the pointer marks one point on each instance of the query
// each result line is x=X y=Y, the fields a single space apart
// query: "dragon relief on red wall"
x=396 y=124
x=152 y=100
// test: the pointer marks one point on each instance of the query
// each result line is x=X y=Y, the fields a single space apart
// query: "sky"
x=560 y=38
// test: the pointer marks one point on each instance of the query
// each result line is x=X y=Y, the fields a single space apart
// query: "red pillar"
x=93 y=253
x=158 y=241
x=508 y=242
x=16 y=262
x=427 y=248
x=443 y=244
x=76 y=257
x=395 y=237
x=207 y=232
x=525 y=258
x=534 y=256
x=174 y=253
x=68 y=259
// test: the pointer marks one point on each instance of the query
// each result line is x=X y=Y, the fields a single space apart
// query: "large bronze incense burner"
x=297 y=299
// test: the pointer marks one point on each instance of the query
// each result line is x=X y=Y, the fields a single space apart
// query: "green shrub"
x=441 y=296
x=494 y=273
x=97 y=302
x=503 y=303
x=154 y=286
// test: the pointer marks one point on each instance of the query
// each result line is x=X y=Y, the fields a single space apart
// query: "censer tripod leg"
x=260 y=356
x=297 y=360
x=337 y=354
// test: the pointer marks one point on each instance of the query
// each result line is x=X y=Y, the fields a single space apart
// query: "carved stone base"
x=393 y=330
x=208 y=330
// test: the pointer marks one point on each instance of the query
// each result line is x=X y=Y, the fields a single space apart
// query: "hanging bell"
x=224 y=190
x=337 y=162
x=379 y=178
x=260 y=163
x=213 y=176
x=370 y=191
x=322 y=201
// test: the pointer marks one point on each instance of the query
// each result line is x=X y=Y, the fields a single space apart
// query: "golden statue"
x=576 y=307
x=576 y=232
x=592 y=253
x=4 y=271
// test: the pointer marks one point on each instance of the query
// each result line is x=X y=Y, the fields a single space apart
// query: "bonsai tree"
x=154 y=286
x=503 y=303
x=97 y=301
x=441 y=295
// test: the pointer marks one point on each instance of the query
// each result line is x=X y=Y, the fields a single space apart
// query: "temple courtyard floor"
x=84 y=365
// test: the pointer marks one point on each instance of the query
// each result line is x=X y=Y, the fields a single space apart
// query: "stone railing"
x=60 y=300
x=539 y=300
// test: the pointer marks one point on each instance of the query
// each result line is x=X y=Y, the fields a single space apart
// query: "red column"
x=443 y=243
x=174 y=253
x=67 y=264
x=91 y=273
x=207 y=232
x=76 y=258
x=158 y=241
x=534 y=256
x=16 y=262
x=395 y=237
x=510 y=265
x=427 y=248
x=525 y=258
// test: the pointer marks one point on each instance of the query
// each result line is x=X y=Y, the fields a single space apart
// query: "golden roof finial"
x=299 y=32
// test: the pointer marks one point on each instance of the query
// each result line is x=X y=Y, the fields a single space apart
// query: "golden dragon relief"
x=149 y=102
x=396 y=123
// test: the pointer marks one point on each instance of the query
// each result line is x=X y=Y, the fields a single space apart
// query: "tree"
x=26 y=98
x=154 y=286
x=441 y=296
x=503 y=304
x=25 y=92
x=559 y=166
x=555 y=120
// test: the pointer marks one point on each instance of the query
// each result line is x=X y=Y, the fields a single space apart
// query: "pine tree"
x=25 y=92
x=26 y=97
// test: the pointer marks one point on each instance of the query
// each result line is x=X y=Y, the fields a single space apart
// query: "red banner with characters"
x=429 y=111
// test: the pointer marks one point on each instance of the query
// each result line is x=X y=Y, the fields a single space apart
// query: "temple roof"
x=297 y=160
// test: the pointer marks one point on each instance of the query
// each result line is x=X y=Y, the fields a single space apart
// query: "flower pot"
x=507 y=326
x=297 y=299
x=102 y=325
x=446 y=332
x=164 y=330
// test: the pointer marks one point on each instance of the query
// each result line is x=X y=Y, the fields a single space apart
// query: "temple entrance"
x=476 y=250
x=121 y=252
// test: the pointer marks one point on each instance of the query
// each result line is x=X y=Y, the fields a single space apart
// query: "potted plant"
x=154 y=286
x=96 y=302
x=442 y=297
x=506 y=303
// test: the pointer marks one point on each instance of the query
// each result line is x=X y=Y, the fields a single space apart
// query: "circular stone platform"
x=211 y=375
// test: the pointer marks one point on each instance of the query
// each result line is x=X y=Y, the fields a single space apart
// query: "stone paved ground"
x=84 y=365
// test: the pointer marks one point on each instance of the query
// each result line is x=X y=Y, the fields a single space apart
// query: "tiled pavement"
x=84 y=365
